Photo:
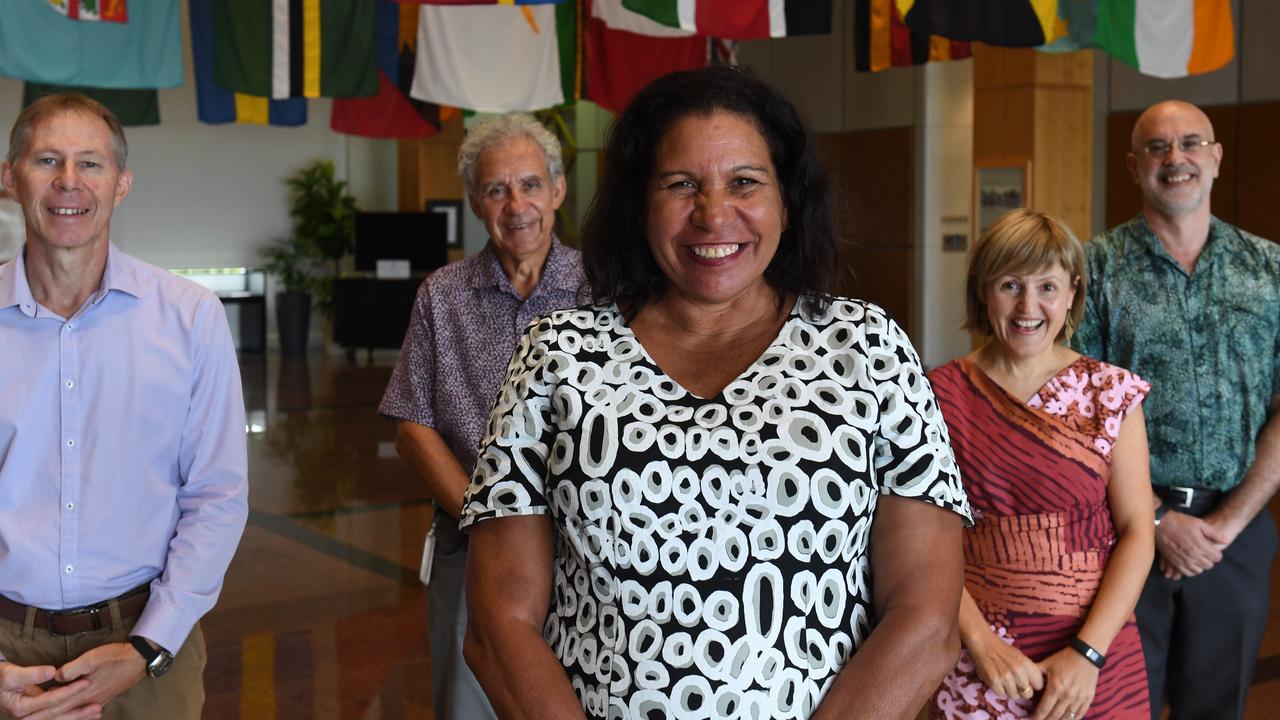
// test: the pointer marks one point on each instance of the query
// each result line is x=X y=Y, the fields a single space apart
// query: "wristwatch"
x=1160 y=513
x=158 y=660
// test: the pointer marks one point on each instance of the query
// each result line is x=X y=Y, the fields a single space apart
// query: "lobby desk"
x=370 y=313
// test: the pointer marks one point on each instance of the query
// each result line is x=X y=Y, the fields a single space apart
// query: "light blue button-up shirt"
x=122 y=446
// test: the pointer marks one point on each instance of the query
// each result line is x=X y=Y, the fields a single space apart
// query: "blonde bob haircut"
x=1023 y=241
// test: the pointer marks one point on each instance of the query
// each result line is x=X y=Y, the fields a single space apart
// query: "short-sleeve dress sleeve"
x=913 y=455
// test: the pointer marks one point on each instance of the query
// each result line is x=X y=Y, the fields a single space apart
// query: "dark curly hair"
x=615 y=246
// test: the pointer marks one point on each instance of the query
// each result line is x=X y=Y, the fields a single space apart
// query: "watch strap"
x=148 y=653
x=1098 y=659
x=1161 y=511
x=157 y=660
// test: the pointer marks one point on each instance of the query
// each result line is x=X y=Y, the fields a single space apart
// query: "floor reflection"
x=322 y=615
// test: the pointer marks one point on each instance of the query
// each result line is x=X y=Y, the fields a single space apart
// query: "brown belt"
x=78 y=620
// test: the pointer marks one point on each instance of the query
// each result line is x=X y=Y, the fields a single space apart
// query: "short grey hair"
x=500 y=129
x=49 y=106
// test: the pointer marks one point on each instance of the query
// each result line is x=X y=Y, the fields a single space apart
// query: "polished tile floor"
x=322 y=615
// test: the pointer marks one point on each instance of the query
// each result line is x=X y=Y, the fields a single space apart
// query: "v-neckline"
x=1038 y=392
x=778 y=339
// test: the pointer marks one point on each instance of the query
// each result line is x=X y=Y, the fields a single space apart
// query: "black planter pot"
x=293 y=321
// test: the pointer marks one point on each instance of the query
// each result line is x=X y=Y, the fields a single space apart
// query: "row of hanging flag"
x=398 y=68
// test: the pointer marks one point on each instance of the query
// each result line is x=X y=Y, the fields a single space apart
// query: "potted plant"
x=306 y=263
x=293 y=264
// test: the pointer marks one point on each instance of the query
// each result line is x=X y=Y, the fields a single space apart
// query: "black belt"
x=1191 y=501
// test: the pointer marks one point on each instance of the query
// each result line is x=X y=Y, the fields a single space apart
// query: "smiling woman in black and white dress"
x=686 y=489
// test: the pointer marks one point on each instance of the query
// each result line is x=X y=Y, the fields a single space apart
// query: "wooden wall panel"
x=1257 y=156
x=876 y=171
x=1124 y=199
x=428 y=170
x=1039 y=107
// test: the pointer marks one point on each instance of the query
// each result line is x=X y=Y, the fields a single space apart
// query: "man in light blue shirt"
x=122 y=452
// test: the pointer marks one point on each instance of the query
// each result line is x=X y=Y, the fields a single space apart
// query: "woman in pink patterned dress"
x=1053 y=454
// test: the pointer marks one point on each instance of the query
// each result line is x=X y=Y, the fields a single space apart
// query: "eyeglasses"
x=1159 y=149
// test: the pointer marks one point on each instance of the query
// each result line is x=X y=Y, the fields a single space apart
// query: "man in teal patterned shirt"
x=1192 y=305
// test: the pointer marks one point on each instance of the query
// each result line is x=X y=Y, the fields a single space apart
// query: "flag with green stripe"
x=1167 y=38
x=739 y=19
x=296 y=48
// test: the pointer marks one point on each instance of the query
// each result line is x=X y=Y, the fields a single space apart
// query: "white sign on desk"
x=392 y=270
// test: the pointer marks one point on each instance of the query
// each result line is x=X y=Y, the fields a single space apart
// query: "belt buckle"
x=1187 y=493
x=94 y=612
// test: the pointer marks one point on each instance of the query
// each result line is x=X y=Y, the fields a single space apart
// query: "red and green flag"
x=391 y=113
x=739 y=19
x=617 y=64
x=104 y=10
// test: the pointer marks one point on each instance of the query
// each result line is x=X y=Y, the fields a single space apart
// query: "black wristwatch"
x=158 y=661
x=1161 y=512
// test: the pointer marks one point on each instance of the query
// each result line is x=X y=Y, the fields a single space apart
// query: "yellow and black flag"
x=1006 y=23
x=881 y=40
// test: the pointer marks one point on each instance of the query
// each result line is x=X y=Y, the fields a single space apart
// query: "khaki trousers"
x=178 y=694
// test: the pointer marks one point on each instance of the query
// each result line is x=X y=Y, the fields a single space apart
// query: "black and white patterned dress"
x=712 y=554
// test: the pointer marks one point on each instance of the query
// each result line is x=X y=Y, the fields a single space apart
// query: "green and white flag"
x=739 y=19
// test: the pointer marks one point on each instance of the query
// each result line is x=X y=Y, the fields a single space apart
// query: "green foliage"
x=291 y=263
x=323 y=212
x=323 y=215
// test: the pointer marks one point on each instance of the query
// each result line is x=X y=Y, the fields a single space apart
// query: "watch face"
x=160 y=665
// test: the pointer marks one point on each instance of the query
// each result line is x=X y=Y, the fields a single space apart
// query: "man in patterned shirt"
x=1192 y=304
x=467 y=320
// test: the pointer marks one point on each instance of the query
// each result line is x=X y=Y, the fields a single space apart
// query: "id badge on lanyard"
x=428 y=553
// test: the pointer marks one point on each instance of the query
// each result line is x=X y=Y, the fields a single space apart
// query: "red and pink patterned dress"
x=1036 y=475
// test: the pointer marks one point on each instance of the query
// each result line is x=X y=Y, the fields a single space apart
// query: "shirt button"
x=71 y=506
x=70 y=568
x=70 y=384
x=71 y=443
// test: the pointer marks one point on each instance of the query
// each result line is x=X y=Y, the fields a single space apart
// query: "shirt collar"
x=1146 y=239
x=14 y=289
x=557 y=272
x=120 y=273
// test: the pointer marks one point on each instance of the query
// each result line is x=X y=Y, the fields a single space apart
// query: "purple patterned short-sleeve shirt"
x=466 y=322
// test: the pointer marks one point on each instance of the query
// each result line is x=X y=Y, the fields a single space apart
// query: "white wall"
x=212 y=195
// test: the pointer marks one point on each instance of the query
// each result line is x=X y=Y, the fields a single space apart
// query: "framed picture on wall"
x=452 y=210
x=999 y=187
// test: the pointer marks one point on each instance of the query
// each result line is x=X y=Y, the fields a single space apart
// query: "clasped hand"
x=1188 y=545
x=86 y=684
x=1067 y=679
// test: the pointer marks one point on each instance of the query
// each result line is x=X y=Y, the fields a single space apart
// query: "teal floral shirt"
x=1208 y=342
